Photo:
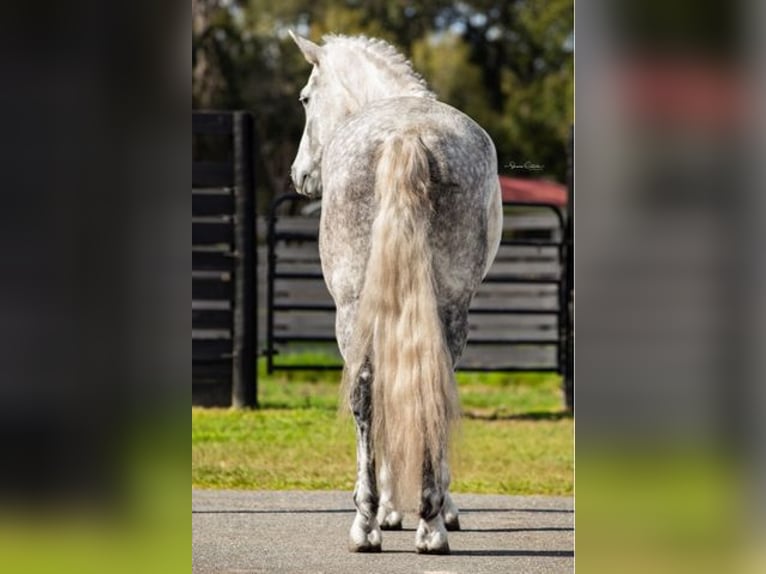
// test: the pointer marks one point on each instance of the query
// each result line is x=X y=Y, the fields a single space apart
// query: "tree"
x=508 y=64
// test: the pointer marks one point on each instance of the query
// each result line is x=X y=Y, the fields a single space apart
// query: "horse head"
x=323 y=104
x=348 y=73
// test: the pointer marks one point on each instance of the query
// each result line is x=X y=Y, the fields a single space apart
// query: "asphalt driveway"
x=295 y=532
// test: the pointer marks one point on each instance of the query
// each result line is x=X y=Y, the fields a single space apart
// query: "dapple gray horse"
x=411 y=221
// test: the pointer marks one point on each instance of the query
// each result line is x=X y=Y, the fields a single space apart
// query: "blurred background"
x=669 y=286
x=507 y=64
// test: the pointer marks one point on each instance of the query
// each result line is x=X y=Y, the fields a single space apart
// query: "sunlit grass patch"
x=513 y=438
x=482 y=395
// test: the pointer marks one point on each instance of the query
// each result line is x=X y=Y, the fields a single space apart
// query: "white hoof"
x=450 y=514
x=389 y=519
x=364 y=536
x=431 y=537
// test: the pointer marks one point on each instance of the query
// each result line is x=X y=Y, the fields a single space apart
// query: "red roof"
x=533 y=190
x=678 y=91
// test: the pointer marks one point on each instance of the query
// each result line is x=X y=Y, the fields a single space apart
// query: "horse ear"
x=311 y=51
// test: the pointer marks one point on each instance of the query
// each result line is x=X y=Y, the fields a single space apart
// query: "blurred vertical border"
x=669 y=278
x=94 y=184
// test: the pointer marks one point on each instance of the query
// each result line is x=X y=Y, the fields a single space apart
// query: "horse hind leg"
x=449 y=510
x=388 y=517
x=431 y=535
x=365 y=535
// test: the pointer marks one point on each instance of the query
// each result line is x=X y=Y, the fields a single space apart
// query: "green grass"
x=514 y=438
x=132 y=521
x=676 y=506
x=500 y=395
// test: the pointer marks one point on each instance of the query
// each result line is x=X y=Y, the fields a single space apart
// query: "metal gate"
x=518 y=319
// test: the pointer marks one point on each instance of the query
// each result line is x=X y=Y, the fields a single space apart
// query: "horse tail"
x=398 y=328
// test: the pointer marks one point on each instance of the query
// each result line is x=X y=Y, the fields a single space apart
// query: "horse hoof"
x=443 y=549
x=431 y=536
x=452 y=524
x=363 y=548
x=392 y=522
x=364 y=535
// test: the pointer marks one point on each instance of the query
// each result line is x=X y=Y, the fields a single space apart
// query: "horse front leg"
x=365 y=533
x=388 y=517
x=431 y=535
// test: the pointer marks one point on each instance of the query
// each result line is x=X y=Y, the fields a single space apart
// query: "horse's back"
x=463 y=175
x=463 y=190
x=462 y=159
x=462 y=153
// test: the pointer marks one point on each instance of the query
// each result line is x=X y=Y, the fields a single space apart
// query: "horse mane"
x=385 y=57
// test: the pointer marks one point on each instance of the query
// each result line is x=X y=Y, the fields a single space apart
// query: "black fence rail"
x=223 y=260
x=518 y=317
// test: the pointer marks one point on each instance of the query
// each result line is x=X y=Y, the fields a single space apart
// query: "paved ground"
x=241 y=532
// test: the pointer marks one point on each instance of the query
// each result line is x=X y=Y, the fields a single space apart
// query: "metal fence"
x=519 y=317
x=223 y=260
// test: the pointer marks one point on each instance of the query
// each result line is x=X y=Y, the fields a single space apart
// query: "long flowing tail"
x=398 y=327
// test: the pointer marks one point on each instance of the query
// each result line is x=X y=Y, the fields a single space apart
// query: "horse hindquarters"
x=414 y=399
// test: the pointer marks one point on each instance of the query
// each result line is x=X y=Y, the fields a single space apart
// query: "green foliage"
x=444 y=61
x=508 y=64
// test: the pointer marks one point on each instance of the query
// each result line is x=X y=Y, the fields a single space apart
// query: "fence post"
x=244 y=375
